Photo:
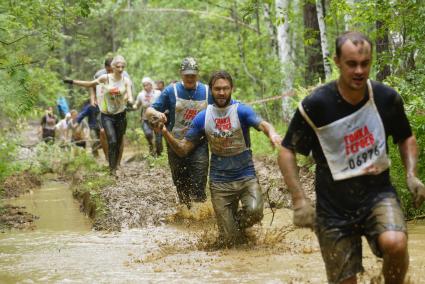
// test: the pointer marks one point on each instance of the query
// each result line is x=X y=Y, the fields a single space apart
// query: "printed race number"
x=362 y=158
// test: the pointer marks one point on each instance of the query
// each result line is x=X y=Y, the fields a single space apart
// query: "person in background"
x=182 y=101
x=92 y=113
x=62 y=106
x=47 y=126
x=61 y=130
x=144 y=100
x=77 y=132
x=346 y=124
x=226 y=125
x=96 y=99
x=159 y=85
x=116 y=93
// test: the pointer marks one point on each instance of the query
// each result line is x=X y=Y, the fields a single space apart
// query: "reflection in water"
x=63 y=249
x=56 y=208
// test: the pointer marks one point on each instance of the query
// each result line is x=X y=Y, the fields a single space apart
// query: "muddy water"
x=63 y=249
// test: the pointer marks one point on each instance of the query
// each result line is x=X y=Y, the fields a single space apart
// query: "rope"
x=287 y=94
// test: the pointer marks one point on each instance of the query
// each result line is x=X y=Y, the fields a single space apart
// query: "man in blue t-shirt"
x=177 y=105
x=91 y=112
x=226 y=125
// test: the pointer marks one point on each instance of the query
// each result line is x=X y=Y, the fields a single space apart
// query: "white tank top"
x=185 y=112
x=355 y=142
x=113 y=96
x=223 y=130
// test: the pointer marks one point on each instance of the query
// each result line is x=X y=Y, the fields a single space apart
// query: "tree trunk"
x=287 y=65
x=382 y=51
x=314 y=66
x=347 y=16
x=323 y=39
x=271 y=28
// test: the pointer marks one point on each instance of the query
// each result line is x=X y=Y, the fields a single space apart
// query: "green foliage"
x=260 y=144
x=66 y=161
x=398 y=179
x=30 y=33
x=7 y=154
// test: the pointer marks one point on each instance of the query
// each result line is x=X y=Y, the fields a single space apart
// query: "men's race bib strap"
x=185 y=112
x=224 y=131
x=356 y=144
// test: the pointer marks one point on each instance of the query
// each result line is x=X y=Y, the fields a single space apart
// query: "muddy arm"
x=409 y=154
x=271 y=133
x=151 y=113
x=288 y=167
x=304 y=213
x=181 y=147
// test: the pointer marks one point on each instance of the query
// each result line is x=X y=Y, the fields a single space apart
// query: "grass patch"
x=89 y=193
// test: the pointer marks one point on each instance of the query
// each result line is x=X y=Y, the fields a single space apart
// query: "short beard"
x=225 y=104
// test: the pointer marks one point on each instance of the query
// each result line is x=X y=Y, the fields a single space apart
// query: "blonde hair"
x=118 y=59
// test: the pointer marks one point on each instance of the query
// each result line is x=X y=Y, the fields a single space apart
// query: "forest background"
x=270 y=47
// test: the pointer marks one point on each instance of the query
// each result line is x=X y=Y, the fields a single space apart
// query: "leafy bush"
x=410 y=87
x=8 y=152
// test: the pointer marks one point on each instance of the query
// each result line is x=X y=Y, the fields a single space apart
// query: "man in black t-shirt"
x=346 y=125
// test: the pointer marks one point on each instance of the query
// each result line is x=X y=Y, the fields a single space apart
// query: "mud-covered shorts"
x=341 y=247
x=225 y=197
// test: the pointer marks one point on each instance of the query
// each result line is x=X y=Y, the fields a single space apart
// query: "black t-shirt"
x=345 y=199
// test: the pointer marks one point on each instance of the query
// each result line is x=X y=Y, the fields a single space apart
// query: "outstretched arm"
x=409 y=154
x=181 y=147
x=303 y=211
x=271 y=133
x=86 y=84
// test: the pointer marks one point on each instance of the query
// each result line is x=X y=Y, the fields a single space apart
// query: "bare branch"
x=14 y=41
x=18 y=65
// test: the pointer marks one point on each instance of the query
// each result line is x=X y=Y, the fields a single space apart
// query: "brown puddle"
x=64 y=249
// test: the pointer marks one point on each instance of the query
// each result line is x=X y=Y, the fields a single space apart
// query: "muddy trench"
x=147 y=238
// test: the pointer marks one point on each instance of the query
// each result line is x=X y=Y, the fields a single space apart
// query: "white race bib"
x=354 y=145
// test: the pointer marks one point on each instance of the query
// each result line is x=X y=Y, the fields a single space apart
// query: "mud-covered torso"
x=344 y=199
x=223 y=130
x=231 y=159
x=113 y=92
x=177 y=113
x=185 y=112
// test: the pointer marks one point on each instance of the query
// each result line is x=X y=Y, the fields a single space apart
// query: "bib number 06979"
x=362 y=158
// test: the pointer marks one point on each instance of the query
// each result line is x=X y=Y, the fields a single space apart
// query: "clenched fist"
x=305 y=215
x=156 y=123
x=417 y=188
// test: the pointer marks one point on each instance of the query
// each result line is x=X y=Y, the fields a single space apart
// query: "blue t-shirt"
x=167 y=100
x=226 y=169
x=91 y=113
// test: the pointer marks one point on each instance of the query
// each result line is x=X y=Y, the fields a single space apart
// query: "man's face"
x=222 y=92
x=354 y=64
x=147 y=87
x=189 y=81
x=49 y=110
x=108 y=69
x=74 y=115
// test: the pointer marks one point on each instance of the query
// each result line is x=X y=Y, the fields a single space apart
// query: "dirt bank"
x=14 y=186
x=20 y=183
x=144 y=195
